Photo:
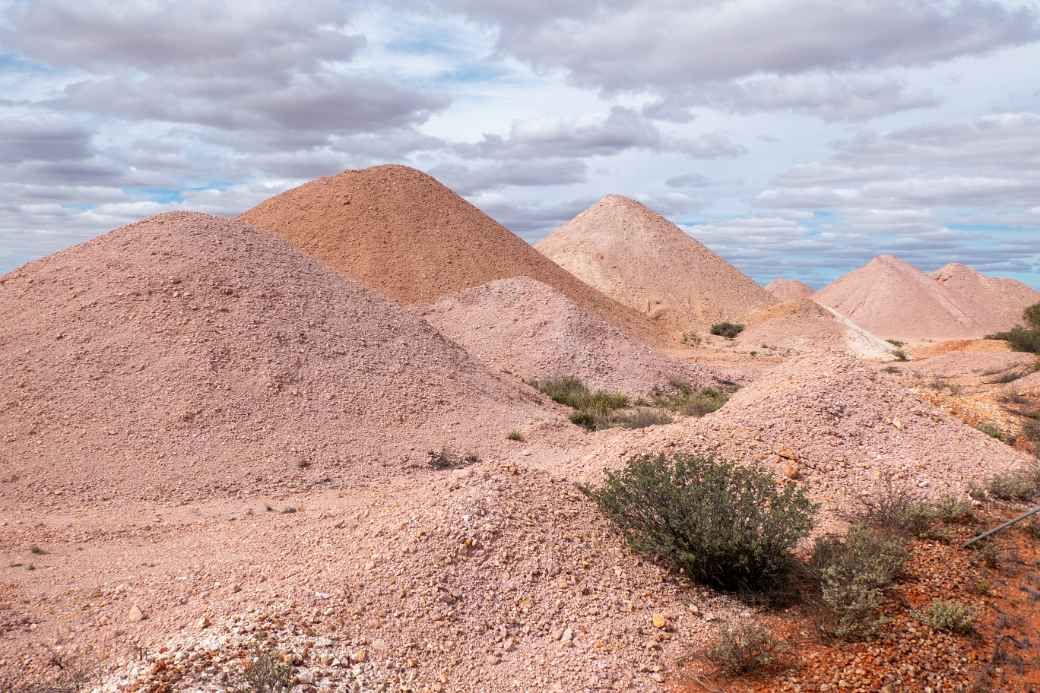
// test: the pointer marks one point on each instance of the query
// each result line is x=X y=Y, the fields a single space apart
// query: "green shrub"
x=1021 y=339
x=729 y=330
x=593 y=409
x=852 y=572
x=642 y=417
x=742 y=647
x=953 y=509
x=896 y=510
x=948 y=615
x=718 y=523
x=681 y=398
x=991 y=430
x=1016 y=485
x=1031 y=315
x=515 y=435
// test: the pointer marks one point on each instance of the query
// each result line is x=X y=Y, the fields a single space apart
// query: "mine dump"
x=362 y=437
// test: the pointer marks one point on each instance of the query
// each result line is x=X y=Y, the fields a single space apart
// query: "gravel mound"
x=802 y=325
x=403 y=233
x=839 y=427
x=188 y=354
x=995 y=303
x=523 y=326
x=789 y=289
x=641 y=259
x=986 y=365
x=893 y=299
x=1029 y=385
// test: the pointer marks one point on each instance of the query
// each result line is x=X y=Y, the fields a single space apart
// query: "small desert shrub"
x=681 y=398
x=1032 y=527
x=592 y=409
x=515 y=435
x=266 y=672
x=896 y=510
x=36 y=550
x=1016 y=485
x=990 y=430
x=446 y=459
x=691 y=339
x=953 y=509
x=642 y=417
x=853 y=572
x=729 y=330
x=895 y=342
x=891 y=369
x=1031 y=430
x=900 y=355
x=948 y=615
x=718 y=523
x=1020 y=339
x=741 y=647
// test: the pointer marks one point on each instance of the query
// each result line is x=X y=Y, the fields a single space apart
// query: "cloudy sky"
x=794 y=137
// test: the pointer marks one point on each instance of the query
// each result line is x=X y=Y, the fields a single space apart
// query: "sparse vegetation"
x=718 y=523
x=1024 y=338
x=446 y=459
x=681 y=398
x=895 y=342
x=900 y=355
x=990 y=430
x=1021 y=484
x=691 y=339
x=948 y=615
x=515 y=435
x=853 y=572
x=895 y=510
x=1031 y=430
x=592 y=409
x=953 y=509
x=742 y=647
x=891 y=369
x=266 y=672
x=729 y=330
x=642 y=417
x=36 y=550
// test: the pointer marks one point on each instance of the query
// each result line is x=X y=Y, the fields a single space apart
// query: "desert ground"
x=337 y=444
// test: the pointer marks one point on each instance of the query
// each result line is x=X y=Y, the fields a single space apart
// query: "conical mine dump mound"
x=789 y=289
x=893 y=299
x=528 y=328
x=401 y=232
x=188 y=354
x=802 y=325
x=996 y=303
x=839 y=427
x=641 y=259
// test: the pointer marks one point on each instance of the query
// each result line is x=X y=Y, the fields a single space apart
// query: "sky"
x=796 y=138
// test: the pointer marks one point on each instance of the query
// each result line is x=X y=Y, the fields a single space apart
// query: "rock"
x=791 y=469
x=135 y=614
x=568 y=635
x=203 y=622
x=786 y=453
x=659 y=621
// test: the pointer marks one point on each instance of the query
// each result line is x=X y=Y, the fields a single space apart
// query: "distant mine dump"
x=362 y=437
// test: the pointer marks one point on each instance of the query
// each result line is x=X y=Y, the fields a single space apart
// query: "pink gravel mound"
x=803 y=325
x=789 y=289
x=188 y=354
x=525 y=327
x=995 y=303
x=895 y=300
x=401 y=232
x=641 y=259
x=839 y=427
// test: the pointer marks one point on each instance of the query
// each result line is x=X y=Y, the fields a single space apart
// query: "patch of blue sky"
x=12 y=62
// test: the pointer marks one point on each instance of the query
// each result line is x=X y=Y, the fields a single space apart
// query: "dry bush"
x=741 y=647
x=948 y=615
x=446 y=459
x=265 y=672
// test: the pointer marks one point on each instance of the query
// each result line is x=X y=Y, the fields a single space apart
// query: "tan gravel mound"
x=985 y=365
x=839 y=427
x=802 y=325
x=996 y=303
x=961 y=345
x=525 y=327
x=789 y=289
x=403 y=233
x=188 y=354
x=895 y=300
x=641 y=259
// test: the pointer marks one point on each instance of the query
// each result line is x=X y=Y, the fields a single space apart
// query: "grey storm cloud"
x=682 y=43
x=830 y=97
x=622 y=129
x=41 y=139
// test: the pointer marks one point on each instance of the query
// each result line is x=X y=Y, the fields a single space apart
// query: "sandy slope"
x=789 y=289
x=639 y=258
x=802 y=325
